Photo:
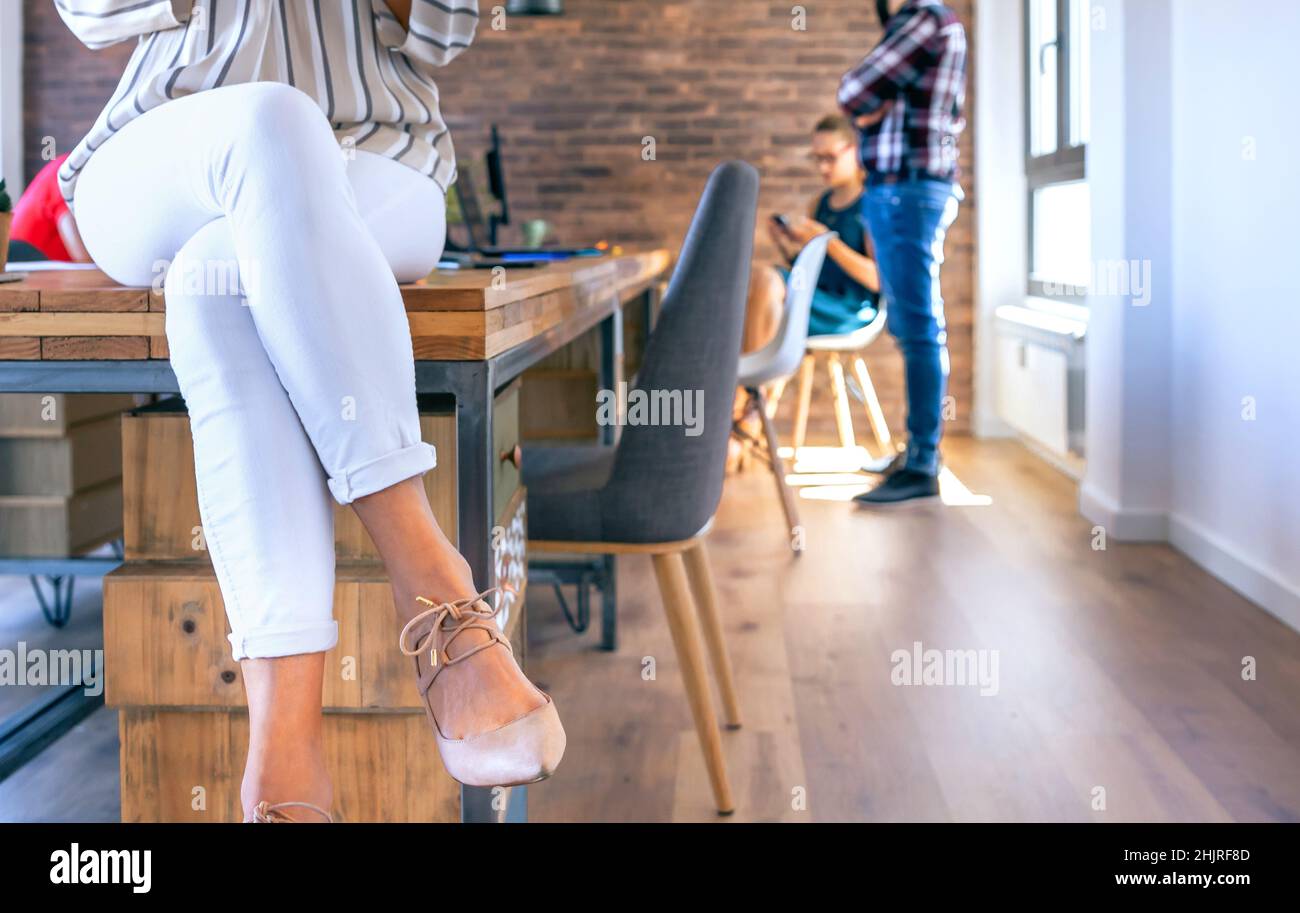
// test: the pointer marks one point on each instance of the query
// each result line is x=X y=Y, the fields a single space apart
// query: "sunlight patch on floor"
x=832 y=474
x=827 y=459
x=955 y=493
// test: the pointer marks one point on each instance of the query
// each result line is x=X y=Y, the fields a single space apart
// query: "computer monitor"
x=497 y=187
x=463 y=209
x=465 y=206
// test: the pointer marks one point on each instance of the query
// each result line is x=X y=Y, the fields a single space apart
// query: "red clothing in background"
x=37 y=213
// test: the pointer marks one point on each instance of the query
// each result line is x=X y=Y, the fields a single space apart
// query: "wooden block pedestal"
x=168 y=665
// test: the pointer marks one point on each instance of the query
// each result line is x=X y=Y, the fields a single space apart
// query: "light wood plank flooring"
x=1118 y=675
x=1119 y=670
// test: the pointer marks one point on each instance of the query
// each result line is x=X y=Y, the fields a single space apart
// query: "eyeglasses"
x=827 y=158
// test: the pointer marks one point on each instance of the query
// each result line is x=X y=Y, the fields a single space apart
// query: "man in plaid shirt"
x=907 y=96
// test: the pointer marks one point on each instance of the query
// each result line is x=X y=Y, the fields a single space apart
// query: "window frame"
x=11 y=97
x=1068 y=163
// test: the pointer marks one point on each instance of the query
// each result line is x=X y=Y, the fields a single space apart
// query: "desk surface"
x=461 y=315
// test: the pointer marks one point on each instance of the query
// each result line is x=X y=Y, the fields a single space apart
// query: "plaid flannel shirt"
x=920 y=66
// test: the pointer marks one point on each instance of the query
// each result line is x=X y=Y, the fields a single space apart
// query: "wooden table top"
x=467 y=314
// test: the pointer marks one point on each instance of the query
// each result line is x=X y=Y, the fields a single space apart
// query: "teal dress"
x=840 y=304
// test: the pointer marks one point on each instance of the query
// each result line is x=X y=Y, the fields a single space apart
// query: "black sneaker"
x=904 y=485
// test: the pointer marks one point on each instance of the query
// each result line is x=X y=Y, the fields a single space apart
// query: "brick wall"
x=64 y=85
x=575 y=96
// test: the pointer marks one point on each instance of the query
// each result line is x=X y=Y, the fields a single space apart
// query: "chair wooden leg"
x=774 y=394
x=738 y=447
x=875 y=414
x=684 y=627
x=706 y=604
x=778 y=472
x=843 y=417
x=806 y=370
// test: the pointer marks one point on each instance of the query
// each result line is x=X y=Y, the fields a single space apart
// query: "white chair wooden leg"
x=839 y=390
x=778 y=472
x=806 y=369
x=875 y=415
x=774 y=394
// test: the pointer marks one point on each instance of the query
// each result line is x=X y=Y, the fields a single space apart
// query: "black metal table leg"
x=473 y=387
x=610 y=372
x=609 y=604
x=58 y=609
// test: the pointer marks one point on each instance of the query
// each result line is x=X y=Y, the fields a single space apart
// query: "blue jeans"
x=908 y=222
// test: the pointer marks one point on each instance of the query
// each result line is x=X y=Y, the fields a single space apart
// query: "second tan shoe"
x=525 y=750
x=266 y=813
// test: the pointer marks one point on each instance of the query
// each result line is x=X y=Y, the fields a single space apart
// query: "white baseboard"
x=986 y=423
x=1264 y=586
x=1122 y=525
x=1065 y=463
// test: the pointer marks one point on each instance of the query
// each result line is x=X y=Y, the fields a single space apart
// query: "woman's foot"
x=286 y=757
x=291 y=777
x=479 y=693
x=491 y=722
x=493 y=726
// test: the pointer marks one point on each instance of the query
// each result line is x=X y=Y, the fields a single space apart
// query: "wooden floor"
x=1118 y=669
x=1119 y=682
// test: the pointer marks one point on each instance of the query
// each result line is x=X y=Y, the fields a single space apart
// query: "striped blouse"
x=372 y=78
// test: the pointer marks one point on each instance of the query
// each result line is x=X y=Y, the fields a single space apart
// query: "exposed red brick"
x=574 y=96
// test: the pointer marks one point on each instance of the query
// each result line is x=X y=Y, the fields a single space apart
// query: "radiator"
x=1040 y=379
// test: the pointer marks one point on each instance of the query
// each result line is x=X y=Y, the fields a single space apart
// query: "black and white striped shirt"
x=372 y=78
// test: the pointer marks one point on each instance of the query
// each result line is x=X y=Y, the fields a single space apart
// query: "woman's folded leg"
x=321 y=293
x=268 y=519
x=326 y=316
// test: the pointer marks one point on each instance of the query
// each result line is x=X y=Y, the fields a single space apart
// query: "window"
x=11 y=96
x=1056 y=133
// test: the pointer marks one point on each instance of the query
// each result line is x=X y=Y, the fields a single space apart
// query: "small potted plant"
x=6 y=218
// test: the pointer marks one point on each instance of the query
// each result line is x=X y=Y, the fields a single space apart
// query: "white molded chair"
x=838 y=348
x=779 y=359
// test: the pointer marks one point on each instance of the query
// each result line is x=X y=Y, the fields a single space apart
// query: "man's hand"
x=805 y=230
x=402 y=10
x=870 y=120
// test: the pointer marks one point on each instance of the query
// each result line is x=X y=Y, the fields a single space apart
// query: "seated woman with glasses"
x=848 y=287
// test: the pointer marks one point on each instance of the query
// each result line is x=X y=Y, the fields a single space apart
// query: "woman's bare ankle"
x=438 y=585
x=283 y=780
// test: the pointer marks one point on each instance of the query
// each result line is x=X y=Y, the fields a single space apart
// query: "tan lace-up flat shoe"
x=526 y=749
x=265 y=813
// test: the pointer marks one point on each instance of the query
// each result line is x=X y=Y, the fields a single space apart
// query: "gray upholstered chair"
x=656 y=490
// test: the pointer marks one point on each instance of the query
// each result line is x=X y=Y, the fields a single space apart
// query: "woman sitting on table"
x=848 y=287
x=304 y=142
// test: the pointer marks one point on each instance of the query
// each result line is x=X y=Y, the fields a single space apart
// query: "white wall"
x=1183 y=91
x=1102 y=486
x=1236 y=318
x=11 y=95
x=1128 y=367
x=998 y=116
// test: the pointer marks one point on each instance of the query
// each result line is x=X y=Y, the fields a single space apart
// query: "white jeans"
x=300 y=388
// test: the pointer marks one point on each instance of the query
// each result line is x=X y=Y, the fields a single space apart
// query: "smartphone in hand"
x=782 y=222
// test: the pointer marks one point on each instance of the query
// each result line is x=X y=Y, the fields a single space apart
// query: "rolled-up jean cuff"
x=368 y=478
x=289 y=640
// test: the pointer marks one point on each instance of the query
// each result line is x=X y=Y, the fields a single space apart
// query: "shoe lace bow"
x=449 y=621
